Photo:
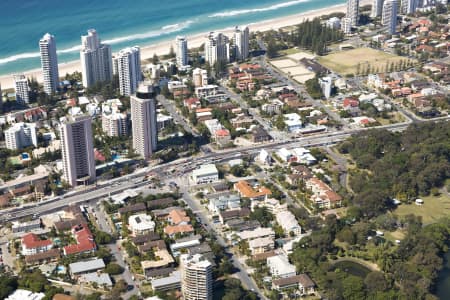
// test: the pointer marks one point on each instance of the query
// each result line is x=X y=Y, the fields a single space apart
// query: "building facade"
x=21 y=89
x=21 y=135
x=196 y=278
x=389 y=17
x=241 y=43
x=77 y=150
x=49 y=63
x=144 y=122
x=353 y=12
x=128 y=67
x=96 y=59
x=216 y=48
x=182 y=51
x=377 y=8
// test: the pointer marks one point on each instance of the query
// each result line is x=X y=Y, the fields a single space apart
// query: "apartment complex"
x=21 y=135
x=128 y=67
x=197 y=280
x=77 y=150
x=144 y=124
x=49 y=63
x=96 y=59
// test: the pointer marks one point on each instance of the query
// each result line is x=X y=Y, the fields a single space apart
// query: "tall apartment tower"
x=96 y=59
x=216 y=48
x=128 y=62
x=1 y=99
x=182 y=51
x=196 y=277
x=21 y=88
x=353 y=12
x=389 y=17
x=49 y=63
x=21 y=135
x=143 y=120
x=241 y=42
x=408 y=6
x=377 y=8
x=77 y=150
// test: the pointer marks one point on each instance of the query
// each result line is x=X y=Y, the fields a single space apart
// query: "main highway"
x=183 y=165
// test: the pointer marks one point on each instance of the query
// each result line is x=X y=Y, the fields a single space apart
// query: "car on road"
x=130 y=287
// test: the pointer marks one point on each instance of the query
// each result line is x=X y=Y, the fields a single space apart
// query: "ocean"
x=123 y=23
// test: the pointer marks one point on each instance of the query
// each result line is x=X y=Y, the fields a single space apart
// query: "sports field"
x=346 y=62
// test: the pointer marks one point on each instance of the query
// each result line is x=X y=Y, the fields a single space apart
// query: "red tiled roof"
x=31 y=241
x=84 y=238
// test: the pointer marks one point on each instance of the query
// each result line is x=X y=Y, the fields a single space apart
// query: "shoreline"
x=194 y=41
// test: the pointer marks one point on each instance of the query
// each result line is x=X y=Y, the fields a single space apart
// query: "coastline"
x=194 y=41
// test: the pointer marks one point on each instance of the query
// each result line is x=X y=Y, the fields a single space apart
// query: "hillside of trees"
x=398 y=165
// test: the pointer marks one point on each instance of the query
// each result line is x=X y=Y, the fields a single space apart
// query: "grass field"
x=432 y=210
x=346 y=62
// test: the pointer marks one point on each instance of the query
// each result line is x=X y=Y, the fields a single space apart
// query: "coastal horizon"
x=194 y=40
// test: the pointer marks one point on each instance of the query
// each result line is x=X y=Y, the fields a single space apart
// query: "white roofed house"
x=280 y=267
x=223 y=201
x=288 y=222
x=261 y=245
x=141 y=224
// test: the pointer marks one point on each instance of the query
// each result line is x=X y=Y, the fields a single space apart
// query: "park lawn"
x=433 y=209
x=346 y=62
x=394 y=235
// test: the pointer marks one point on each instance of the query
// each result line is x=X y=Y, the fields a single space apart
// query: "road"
x=201 y=212
x=172 y=110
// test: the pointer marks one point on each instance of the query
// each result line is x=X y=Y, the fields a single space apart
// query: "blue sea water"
x=123 y=23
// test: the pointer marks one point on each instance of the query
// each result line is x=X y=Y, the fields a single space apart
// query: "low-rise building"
x=84 y=238
x=261 y=245
x=256 y=192
x=322 y=195
x=163 y=259
x=293 y=122
x=205 y=174
x=223 y=201
x=25 y=295
x=280 y=267
x=288 y=222
x=141 y=224
x=32 y=244
x=172 y=230
x=171 y=282
x=178 y=217
x=259 y=232
x=18 y=226
x=86 y=266
x=98 y=279
x=301 y=282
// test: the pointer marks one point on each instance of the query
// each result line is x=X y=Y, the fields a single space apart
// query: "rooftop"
x=87 y=266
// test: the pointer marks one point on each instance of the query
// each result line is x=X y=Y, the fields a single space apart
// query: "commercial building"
x=182 y=51
x=49 y=63
x=241 y=42
x=353 y=12
x=96 y=59
x=389 y=17
x=196 y=277
x=141 y=224
x=144 y=123
x=280 y=267
x=77 y=150
x=128 y=64
x=21 y=135
x=216 y=48
x=205 y=174
x=21 y=89
x=377 y=8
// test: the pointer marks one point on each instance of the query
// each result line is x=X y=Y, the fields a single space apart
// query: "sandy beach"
x=194 y=41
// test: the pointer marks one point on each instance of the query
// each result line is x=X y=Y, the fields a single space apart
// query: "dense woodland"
x=398 y=165
x=405 y=165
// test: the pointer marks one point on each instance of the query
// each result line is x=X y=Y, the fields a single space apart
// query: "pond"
x=443 y=282
x=352 y=268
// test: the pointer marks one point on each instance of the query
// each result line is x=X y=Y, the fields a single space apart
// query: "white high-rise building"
x=353 y=12
x=128 y=64
x=389 y=17
x=377 y=8
x=196 y=277
x=241 y=42
x=22 y=89
x=346 y=25
x=96 y=59
x=49 y=63
x=77 y=150
x=408 y=6
x=143 y=120
x=182 y=51
x=21 y=135
x=216 y=48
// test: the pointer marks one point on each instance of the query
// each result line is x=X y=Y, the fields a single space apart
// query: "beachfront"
x=194 y=41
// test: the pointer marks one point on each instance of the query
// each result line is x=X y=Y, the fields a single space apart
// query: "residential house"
x=288 y=222
x=261 y=245
x=302 y=283
x=84 y=238
x=255 y=192
x=141 y=224
x=280 y=267
x=32 y=244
